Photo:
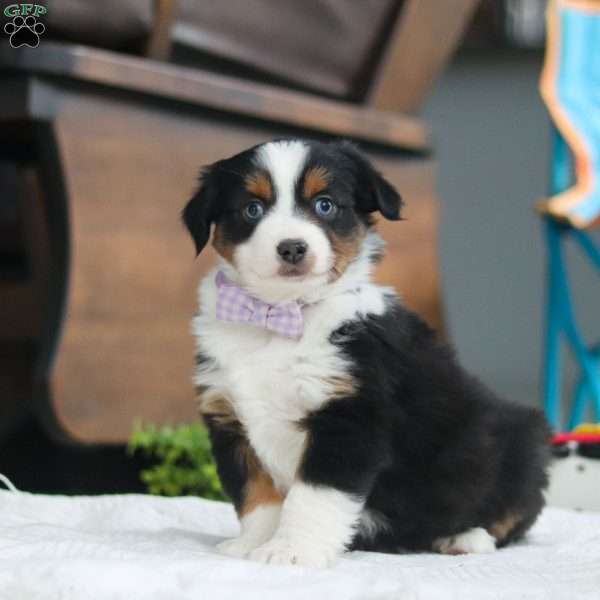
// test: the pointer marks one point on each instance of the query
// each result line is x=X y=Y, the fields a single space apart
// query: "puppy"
x=338 y=419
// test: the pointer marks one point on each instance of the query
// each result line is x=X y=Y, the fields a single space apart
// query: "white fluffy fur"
x=316 y=524
x=473 y=541
x=256 y=528
x=284 y=160
x=273 y=382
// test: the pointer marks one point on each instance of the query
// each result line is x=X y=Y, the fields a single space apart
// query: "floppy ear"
x=200 y=212
x=374 y=191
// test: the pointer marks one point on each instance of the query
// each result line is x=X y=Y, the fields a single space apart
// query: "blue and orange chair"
x=570 y=87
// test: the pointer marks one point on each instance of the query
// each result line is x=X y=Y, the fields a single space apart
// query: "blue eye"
x=253 y=212
x=325 y=207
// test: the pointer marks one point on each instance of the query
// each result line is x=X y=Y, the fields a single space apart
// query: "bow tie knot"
x=235 y=305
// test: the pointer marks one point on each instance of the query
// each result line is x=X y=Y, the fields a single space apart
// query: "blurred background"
x=107 y=113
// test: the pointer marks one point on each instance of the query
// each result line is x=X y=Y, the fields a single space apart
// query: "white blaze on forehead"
x=284 y=161
x=256 y=259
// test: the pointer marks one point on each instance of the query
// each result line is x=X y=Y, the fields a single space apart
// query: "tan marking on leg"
x=502 y=528
x=215 y=405
x=248 y=458
x=259 y=490
x=342 y=387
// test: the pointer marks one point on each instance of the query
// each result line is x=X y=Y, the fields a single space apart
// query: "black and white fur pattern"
x=365 y=433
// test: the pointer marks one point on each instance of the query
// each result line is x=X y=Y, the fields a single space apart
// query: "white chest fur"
x=273 y=381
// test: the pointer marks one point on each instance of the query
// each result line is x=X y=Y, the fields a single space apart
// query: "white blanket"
x=135 y=547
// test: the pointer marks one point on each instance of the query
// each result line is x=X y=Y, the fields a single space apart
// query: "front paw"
x=284 y=551
x=238 y=547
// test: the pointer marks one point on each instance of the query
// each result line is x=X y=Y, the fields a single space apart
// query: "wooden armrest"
x=160 y=41
x=425 y=36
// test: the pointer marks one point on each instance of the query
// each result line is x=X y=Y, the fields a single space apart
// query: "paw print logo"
x=24 y=31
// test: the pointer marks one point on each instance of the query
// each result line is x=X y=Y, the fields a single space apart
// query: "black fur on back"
x=434 y=452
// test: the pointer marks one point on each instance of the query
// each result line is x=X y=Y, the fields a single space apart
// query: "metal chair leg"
x=552 y=359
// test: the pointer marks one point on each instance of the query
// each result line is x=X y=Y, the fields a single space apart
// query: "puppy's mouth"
x=297 y=271
x=293 y=271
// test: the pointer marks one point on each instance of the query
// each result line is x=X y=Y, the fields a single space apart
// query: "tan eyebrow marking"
x=315 y=181
x=259 y=185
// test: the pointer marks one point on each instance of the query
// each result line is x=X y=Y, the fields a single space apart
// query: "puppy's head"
x=289 y=215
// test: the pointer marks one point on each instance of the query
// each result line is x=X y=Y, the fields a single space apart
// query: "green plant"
x=180 y=460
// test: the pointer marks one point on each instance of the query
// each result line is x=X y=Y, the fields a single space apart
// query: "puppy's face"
x=289 y=215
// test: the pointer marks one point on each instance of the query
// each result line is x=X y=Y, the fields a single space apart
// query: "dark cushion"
x=114 y=24
x=327 y=46
x=324 y=45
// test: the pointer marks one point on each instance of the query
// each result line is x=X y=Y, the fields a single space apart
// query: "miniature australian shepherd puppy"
x=338 y=419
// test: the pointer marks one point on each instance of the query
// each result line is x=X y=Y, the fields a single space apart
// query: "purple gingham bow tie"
x=237 y=306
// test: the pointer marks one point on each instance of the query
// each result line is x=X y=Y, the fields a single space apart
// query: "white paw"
x=283 y=551
x=473 y=541
x=238 y=547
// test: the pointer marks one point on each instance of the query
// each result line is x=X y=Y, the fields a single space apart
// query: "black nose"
x=292 y=251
